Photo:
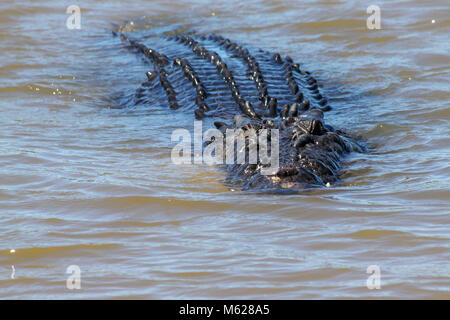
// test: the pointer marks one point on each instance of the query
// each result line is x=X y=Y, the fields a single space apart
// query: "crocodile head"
x=303 y=151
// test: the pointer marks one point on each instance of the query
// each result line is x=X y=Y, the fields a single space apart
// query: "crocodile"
x=247 y=90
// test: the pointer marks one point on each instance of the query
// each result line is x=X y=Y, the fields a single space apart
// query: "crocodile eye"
x=311 y=126
x=316 y=127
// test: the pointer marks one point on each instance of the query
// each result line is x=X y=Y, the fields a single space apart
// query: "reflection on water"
x=83 y=182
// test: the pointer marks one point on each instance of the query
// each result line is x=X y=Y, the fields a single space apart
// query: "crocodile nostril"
x=286 y=172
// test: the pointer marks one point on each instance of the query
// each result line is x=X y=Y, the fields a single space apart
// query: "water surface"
x=84 y=181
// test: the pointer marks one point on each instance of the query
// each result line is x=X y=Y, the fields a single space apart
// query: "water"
x=85 y=182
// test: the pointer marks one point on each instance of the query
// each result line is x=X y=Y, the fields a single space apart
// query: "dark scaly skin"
x=251 y=93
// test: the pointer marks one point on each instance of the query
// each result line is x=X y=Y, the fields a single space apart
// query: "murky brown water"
x=83 y=184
